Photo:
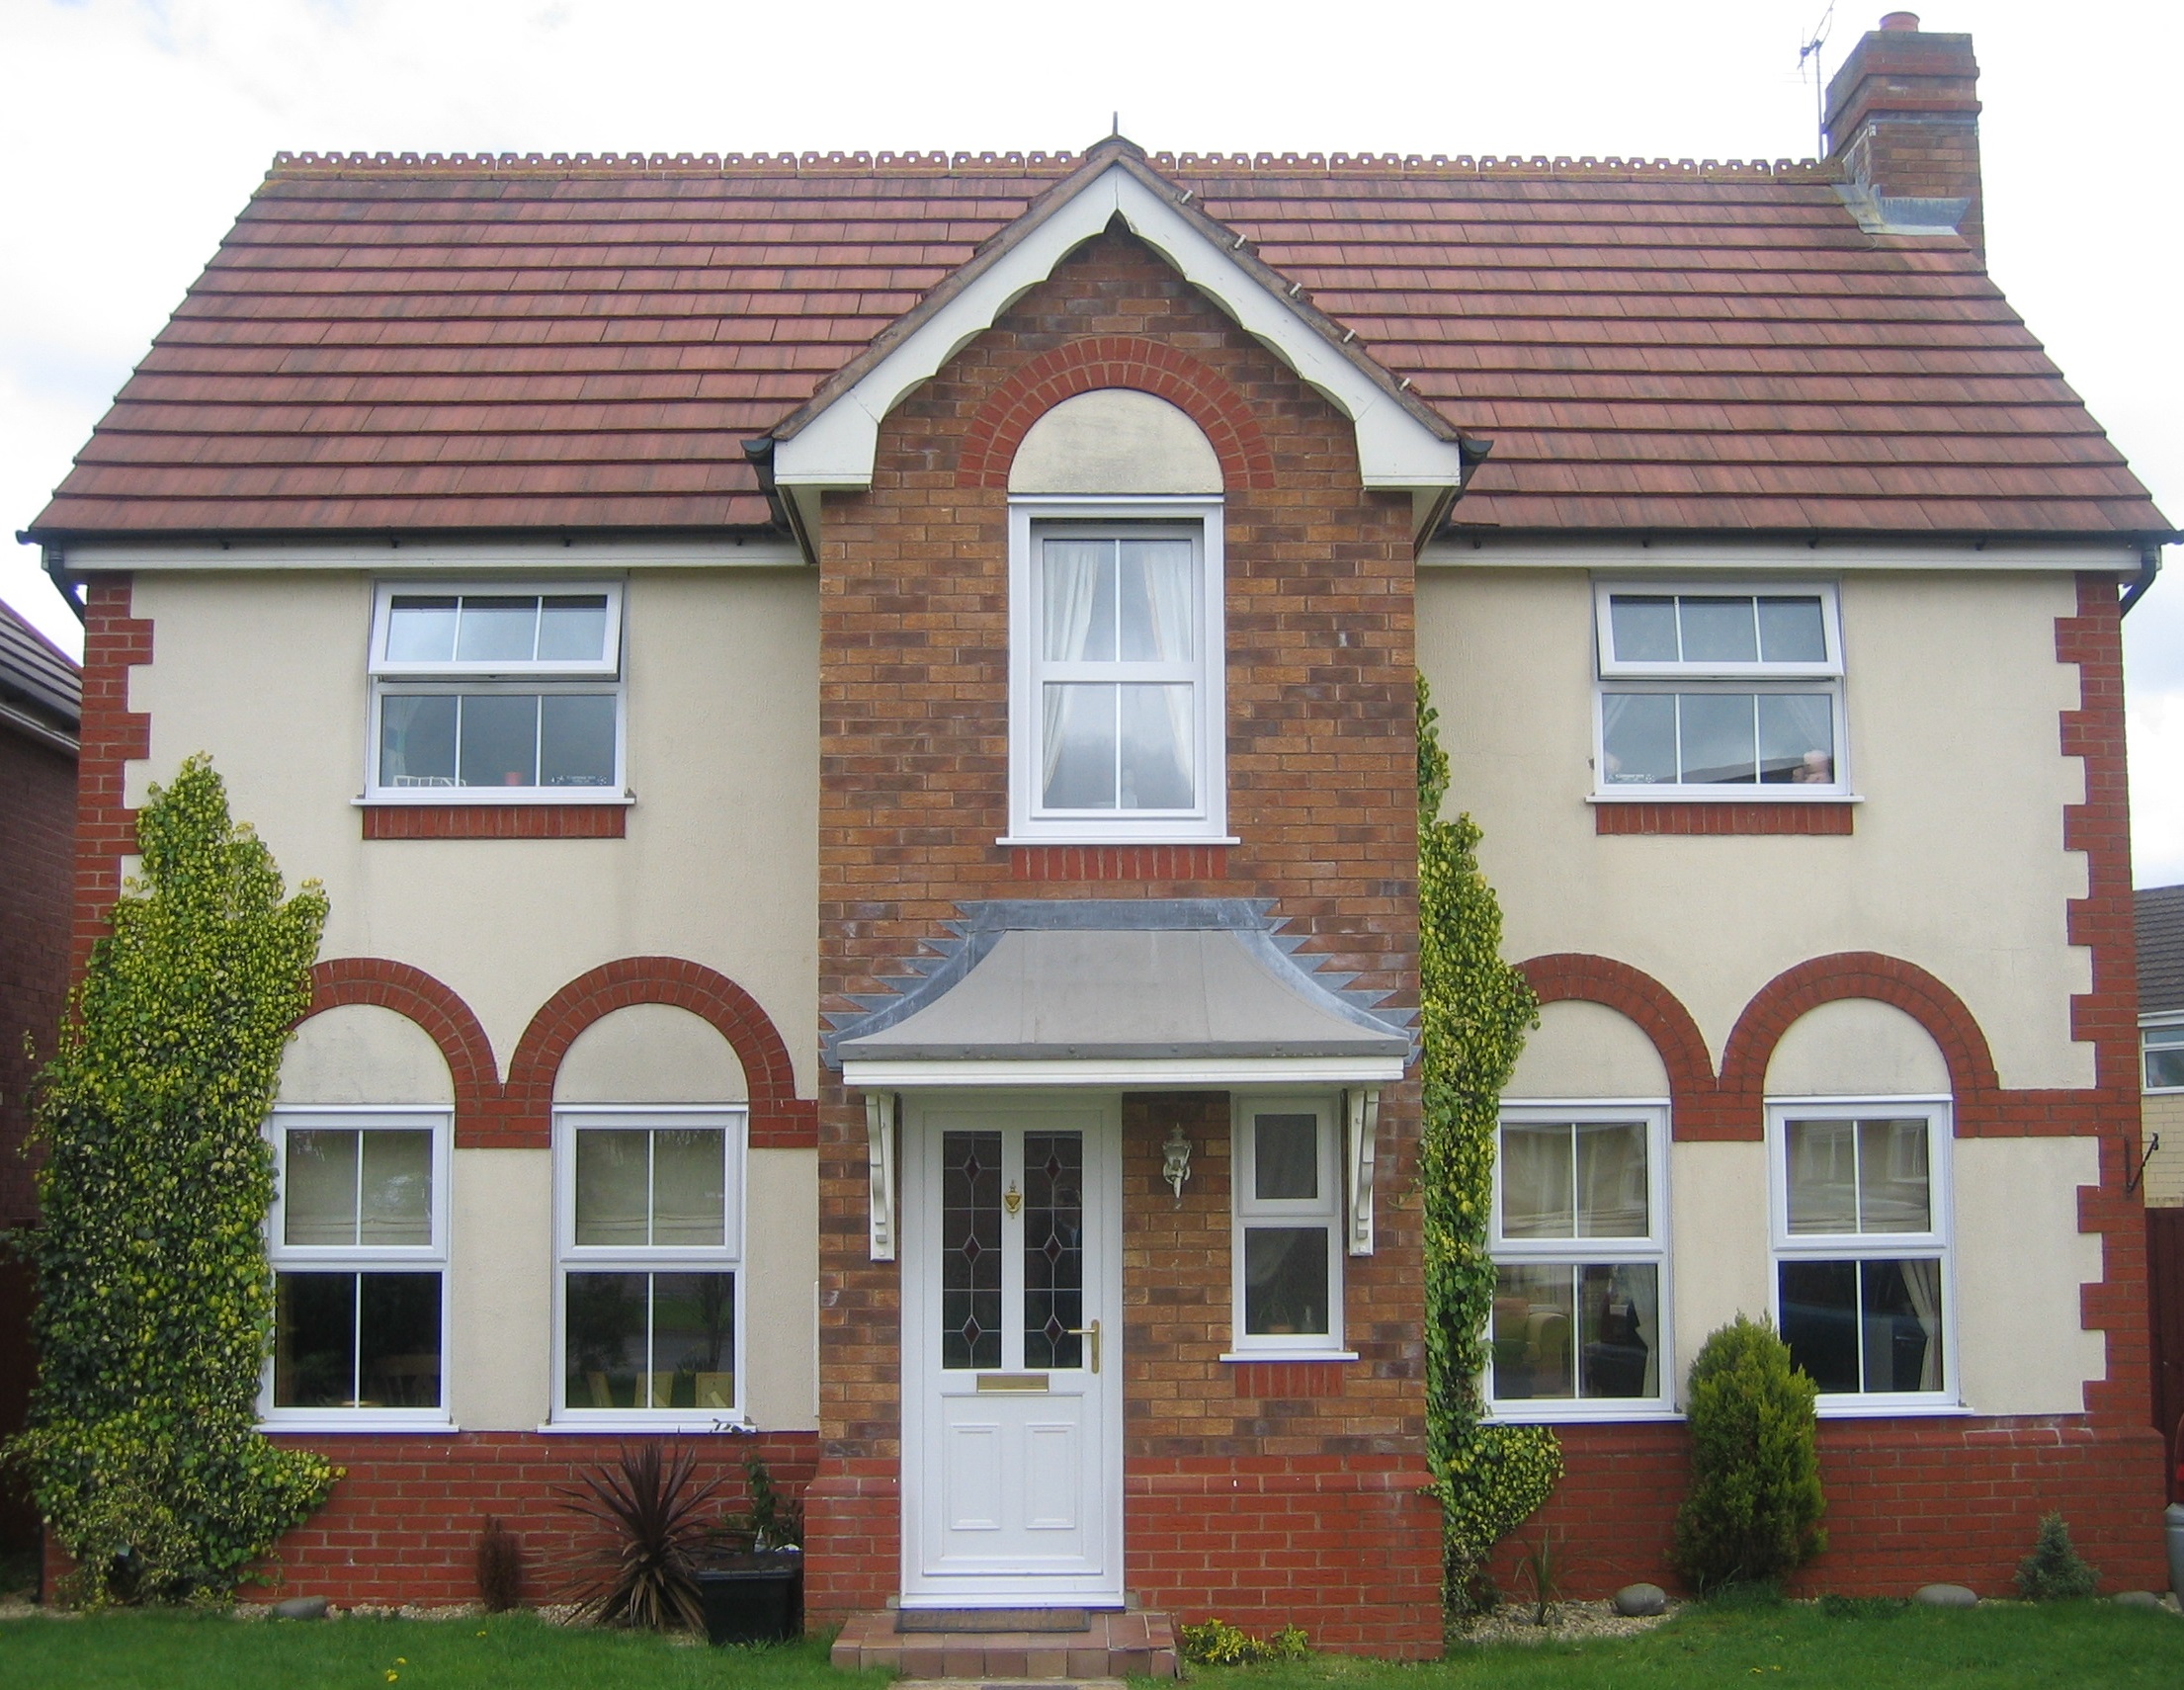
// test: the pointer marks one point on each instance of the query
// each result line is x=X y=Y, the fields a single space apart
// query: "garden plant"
x=1753 y=1510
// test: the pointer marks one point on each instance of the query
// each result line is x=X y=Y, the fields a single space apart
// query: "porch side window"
x=357 y=1239
x=650 y=1230
x=1579 y=1243
x=1116 y=659
x=1287 y=1234
x=1861 y=1225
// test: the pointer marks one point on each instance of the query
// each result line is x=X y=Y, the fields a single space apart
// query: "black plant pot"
x=753 y=1598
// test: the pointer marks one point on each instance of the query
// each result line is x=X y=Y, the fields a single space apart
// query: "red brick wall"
x=1910 y=1502
x=1321 y=786
x=38 y=823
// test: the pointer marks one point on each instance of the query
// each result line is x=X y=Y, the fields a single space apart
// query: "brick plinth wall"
x=1346 y=1547
x=1911 y=1501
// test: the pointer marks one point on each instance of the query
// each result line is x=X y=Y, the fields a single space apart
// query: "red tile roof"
x=586 y=343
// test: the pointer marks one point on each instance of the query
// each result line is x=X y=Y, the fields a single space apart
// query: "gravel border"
x=1566 y=1622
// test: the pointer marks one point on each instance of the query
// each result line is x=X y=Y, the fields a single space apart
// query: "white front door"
x=1012 y=1352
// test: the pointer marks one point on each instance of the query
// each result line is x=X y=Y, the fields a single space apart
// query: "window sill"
x=626 y=1426
x=1288 y=1355
x=1887 y=1408
x=1722 y=795
x=465 y=798
x=358 y=1424
x=1578 y=1413
x=1118 y=837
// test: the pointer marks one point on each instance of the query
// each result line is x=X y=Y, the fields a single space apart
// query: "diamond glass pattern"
x=1053 y=1249
x=971 y=1249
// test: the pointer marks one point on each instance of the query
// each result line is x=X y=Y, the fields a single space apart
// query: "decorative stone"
x=301 y=1608
x=2139 y=1599
x=1634 y=1601
x=1946 y=1596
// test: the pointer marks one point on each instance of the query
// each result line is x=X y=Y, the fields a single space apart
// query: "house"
x=856 y=715
x=41 y=701
x=2160 y=936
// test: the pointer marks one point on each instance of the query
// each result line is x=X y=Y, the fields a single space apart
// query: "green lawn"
x=2073 y=1643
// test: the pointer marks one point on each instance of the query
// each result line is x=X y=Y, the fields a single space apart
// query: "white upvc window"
x=649 y=1290
x=1719 y=691
x=1862 y=1286
x=1580 y=1245
x=1116 y=652
x=2161 y=1047
x=1287 y=1247
x=357 y=1240
x=492 y=692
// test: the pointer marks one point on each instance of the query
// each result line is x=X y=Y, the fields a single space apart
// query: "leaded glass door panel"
x=1012 y=1404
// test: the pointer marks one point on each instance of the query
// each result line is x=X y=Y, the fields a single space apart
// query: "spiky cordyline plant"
x=649 y=1503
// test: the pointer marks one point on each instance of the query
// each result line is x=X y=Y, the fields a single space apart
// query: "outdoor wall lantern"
x=880 y=1120
x=1176 y=1168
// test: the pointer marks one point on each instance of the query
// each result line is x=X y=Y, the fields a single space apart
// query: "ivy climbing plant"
x=155 y=1302
x=1474 y=1010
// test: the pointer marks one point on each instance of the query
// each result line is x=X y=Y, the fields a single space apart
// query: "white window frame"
x=1247 y=1209
x=1649 y=1250
x=1207 y=821
x=606 y=675
x=1937 y=1241
x=727 y=1257
x=2170 y=1024
x=1613 y=676
x=363 y=1258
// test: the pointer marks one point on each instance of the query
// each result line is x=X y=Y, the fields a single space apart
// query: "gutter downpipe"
x=2149 y=567
x=54 y=563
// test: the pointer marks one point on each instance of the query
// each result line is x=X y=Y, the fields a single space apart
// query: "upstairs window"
x=2164 y=1056
x=1720 y=692
x=1116 y=708
x=492 y=693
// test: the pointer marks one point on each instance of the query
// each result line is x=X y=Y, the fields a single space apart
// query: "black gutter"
x=2149 y=567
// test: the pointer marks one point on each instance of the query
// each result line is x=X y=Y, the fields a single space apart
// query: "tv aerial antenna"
x=1810 y=51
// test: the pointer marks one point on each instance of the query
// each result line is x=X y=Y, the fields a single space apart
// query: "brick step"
x=1110 y=1646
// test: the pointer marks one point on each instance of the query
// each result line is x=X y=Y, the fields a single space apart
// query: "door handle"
x=1093 y=1332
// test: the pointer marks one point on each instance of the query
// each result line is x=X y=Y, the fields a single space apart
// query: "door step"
x=1103 y=1646
x=972 y=1620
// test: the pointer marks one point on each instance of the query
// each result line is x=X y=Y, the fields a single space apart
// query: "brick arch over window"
x=1574 y=976
x=780 y=1119
x=1194 y=388
x=1794 y=992
x=433 y=1005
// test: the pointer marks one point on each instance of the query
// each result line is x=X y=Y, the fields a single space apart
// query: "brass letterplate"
x=1012 y=1381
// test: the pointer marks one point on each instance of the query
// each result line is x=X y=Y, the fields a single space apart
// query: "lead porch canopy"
x=1159 y=993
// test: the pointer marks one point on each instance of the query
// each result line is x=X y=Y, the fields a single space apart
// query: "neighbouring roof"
x=40 y=686
x=1127 y=980
x=500 y=343
x=2160 y=913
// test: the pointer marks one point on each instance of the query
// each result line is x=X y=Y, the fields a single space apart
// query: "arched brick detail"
x=1574 y=976
x=433 y=1005
x=780 y=1119
x=1794 y=992
x=1202 y=392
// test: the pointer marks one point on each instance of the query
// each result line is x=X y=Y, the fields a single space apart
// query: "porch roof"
x=1160 y=991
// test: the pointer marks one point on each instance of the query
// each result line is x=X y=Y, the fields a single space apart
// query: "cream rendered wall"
x=1115 y=440
x=1587 y=1050
x=2020 y=1259
x=1857 y=1048
x=1721 y=1259
x=360 y=1053
x=267 y=672
x=1953 y=695
x=2163 y=1113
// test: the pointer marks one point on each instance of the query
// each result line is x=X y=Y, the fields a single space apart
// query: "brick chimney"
x=1904 y=118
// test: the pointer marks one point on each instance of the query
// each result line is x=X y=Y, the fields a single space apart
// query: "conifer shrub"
x=155 y=1300
x=1754 y=1512
x=2055 y=1571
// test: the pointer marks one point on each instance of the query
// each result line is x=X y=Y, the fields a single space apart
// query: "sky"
x=135 y=130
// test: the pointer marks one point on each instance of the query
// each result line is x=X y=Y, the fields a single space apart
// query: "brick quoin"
x=1165 y=371
x=1323 y=771
x=519 y=1115
x=113 y=737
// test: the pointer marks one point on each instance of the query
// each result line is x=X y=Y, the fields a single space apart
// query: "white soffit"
x=431 y=557
x=1514 y=552
x=836 y=448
